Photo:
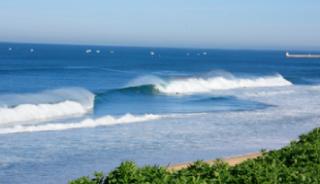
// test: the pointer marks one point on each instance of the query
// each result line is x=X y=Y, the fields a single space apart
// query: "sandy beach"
x=230 y=160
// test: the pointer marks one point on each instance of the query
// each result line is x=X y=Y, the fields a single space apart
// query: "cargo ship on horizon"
x=311 y=56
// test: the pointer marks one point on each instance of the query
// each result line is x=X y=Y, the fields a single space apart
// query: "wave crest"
x=193 y=85
x=203 y=85
x=45 y=105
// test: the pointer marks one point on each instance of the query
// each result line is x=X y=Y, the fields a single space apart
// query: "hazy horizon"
x=208 y=24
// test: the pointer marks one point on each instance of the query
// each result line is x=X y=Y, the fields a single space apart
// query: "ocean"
x=67 y=111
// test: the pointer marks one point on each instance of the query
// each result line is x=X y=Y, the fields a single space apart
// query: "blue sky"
x=286 y=24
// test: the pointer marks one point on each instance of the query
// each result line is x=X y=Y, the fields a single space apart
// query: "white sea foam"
x=87 y=123
x=203 y=85
x=276 y=92
x=45 y=105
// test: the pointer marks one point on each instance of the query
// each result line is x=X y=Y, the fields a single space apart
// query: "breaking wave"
x=203 y=85
x=87 y=123
x=195 y=85
x=45 y=105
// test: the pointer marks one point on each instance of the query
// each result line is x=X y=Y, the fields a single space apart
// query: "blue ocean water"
x=66 y=111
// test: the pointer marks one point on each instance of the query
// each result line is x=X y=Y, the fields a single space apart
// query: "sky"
x=255 y=24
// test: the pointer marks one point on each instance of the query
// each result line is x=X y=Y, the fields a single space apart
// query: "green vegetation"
x=299 y=162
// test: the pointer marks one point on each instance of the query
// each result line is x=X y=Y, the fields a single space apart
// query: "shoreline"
x=232 y=161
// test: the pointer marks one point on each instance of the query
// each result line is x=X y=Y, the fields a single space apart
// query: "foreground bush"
x=299 y=162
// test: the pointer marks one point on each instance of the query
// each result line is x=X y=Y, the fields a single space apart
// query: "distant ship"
x=288 y=55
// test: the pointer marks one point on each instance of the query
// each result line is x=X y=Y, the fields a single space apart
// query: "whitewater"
x=44 y=106
x=202 y=85
x=87 y=123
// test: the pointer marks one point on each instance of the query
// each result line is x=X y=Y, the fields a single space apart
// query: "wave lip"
x=147 y=89
x=45 y=105
x=87 y=123
x=203 y=85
